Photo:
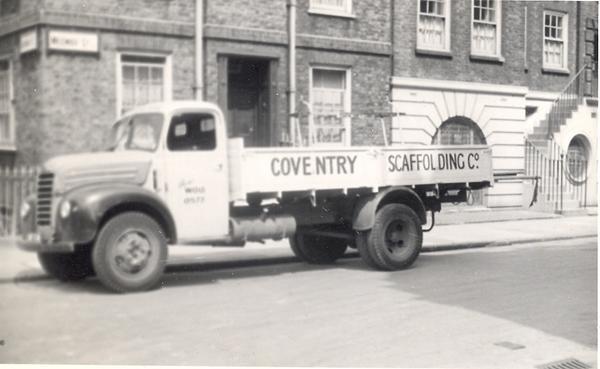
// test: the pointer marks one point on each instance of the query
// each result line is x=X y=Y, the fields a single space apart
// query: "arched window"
x=459 y=131
x=577 y=158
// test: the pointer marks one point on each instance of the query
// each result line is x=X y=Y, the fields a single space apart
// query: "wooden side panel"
x=300 y=169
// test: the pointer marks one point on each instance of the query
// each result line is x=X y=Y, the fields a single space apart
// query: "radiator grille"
x=44 y=199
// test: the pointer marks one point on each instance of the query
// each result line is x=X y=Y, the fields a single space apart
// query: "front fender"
x=366 y=207
x=91 y=205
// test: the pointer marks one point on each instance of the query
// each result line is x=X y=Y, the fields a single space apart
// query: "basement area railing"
x=562 y=179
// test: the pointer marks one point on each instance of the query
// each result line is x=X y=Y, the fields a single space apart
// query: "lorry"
x=172 y=176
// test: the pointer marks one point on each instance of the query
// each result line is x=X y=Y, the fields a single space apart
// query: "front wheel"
x=316 y=249
x=395 y=240
x=130 y=253
x=68 y=267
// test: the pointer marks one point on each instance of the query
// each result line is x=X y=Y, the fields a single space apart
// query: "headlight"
x=25 y=208
x=65 y=209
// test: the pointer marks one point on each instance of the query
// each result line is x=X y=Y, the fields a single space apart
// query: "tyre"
x=73 y=266
x=362 y=244
x=130 y=253
x=395 y=240
x=315 y=249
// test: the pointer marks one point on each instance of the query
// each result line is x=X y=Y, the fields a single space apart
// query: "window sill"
x=489 y=58
x=434 y=52
x=556 y=70
x=8 y=146
x=331 y=13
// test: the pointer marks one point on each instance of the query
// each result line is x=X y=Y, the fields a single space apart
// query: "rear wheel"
x=130 y=253
x=316 y=249
x=362 y=244
x=395 y=240
x=73 y=266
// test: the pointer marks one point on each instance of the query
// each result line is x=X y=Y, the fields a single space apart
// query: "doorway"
x=248 y=99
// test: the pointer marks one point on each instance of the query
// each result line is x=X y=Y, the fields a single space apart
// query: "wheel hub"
x=133 y=252
x=395 y=236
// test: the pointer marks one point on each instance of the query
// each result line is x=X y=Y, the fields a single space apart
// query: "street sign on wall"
x=73 y=41
x=28 y=41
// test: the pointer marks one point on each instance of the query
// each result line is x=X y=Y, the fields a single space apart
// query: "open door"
x=196 y=182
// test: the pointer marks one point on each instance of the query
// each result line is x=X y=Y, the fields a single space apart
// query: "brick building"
x=459 y=71
x=62 y=98
x=486 y=71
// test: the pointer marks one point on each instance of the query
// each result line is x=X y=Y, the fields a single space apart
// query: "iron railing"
x=561 y=178
x=16 y=183
x=567 y=101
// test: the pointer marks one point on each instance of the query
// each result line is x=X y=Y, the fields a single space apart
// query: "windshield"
x=137 y=132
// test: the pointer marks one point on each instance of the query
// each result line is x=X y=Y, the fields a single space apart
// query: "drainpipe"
x=199 y=82
x=293 y=119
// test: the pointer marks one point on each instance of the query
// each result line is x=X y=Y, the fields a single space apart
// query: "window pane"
x=484 y=38
x=194 y=132
x=143 y=74
x=143 y=81
x=431 y=32
x=4 y=103
x=128 y=73
x=330 y=4
x=328 y=106
x=329 y=78
x=456 y=132
x=4 y=128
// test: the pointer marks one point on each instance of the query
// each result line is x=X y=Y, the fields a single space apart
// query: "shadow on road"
x=196 y=273
x=551 y=289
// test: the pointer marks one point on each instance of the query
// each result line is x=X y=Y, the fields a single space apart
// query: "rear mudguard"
x=366 y=206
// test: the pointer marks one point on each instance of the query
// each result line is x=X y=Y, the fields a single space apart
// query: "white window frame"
x=565 y=41
x=446 y=47
x=341 y=11
x=10 y=143
x=497 y=22
x=346 y=119
x=167 y=77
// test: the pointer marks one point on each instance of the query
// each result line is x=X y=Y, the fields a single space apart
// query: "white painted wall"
x=499 y=110
x=543 y=102
x=584 y=122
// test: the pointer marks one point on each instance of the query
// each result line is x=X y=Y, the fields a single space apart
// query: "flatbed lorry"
x=172 y=176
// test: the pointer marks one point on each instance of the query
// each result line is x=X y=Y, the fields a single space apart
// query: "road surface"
x=502 y=307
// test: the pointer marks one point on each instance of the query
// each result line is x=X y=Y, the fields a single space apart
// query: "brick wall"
x=173 y=10
x=247 y=13
x=536 y=78
x=371 y=21
x=76 y=103
x=522 y=63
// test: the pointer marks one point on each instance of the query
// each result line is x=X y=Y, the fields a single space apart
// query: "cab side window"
x=192 y=132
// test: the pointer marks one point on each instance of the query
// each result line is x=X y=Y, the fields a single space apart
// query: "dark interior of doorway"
x=248 y=100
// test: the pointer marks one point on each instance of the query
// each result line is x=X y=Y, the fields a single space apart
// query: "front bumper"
x=38 y=246
x=43 y=242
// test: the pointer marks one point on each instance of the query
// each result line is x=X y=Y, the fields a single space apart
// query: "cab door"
x=196 y=181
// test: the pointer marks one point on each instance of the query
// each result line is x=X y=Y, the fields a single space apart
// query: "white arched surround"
x=499 y=111
x=583 y=122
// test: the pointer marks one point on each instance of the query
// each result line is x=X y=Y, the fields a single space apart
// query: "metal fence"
x=16 y=183
x=561 y=178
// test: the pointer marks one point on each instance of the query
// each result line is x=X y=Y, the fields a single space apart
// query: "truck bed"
x=277 y=170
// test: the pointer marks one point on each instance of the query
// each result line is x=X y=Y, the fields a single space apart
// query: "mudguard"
x=93 y=205
x=366 y=206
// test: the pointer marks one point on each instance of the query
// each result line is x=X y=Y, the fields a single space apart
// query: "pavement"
x=455 y=229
